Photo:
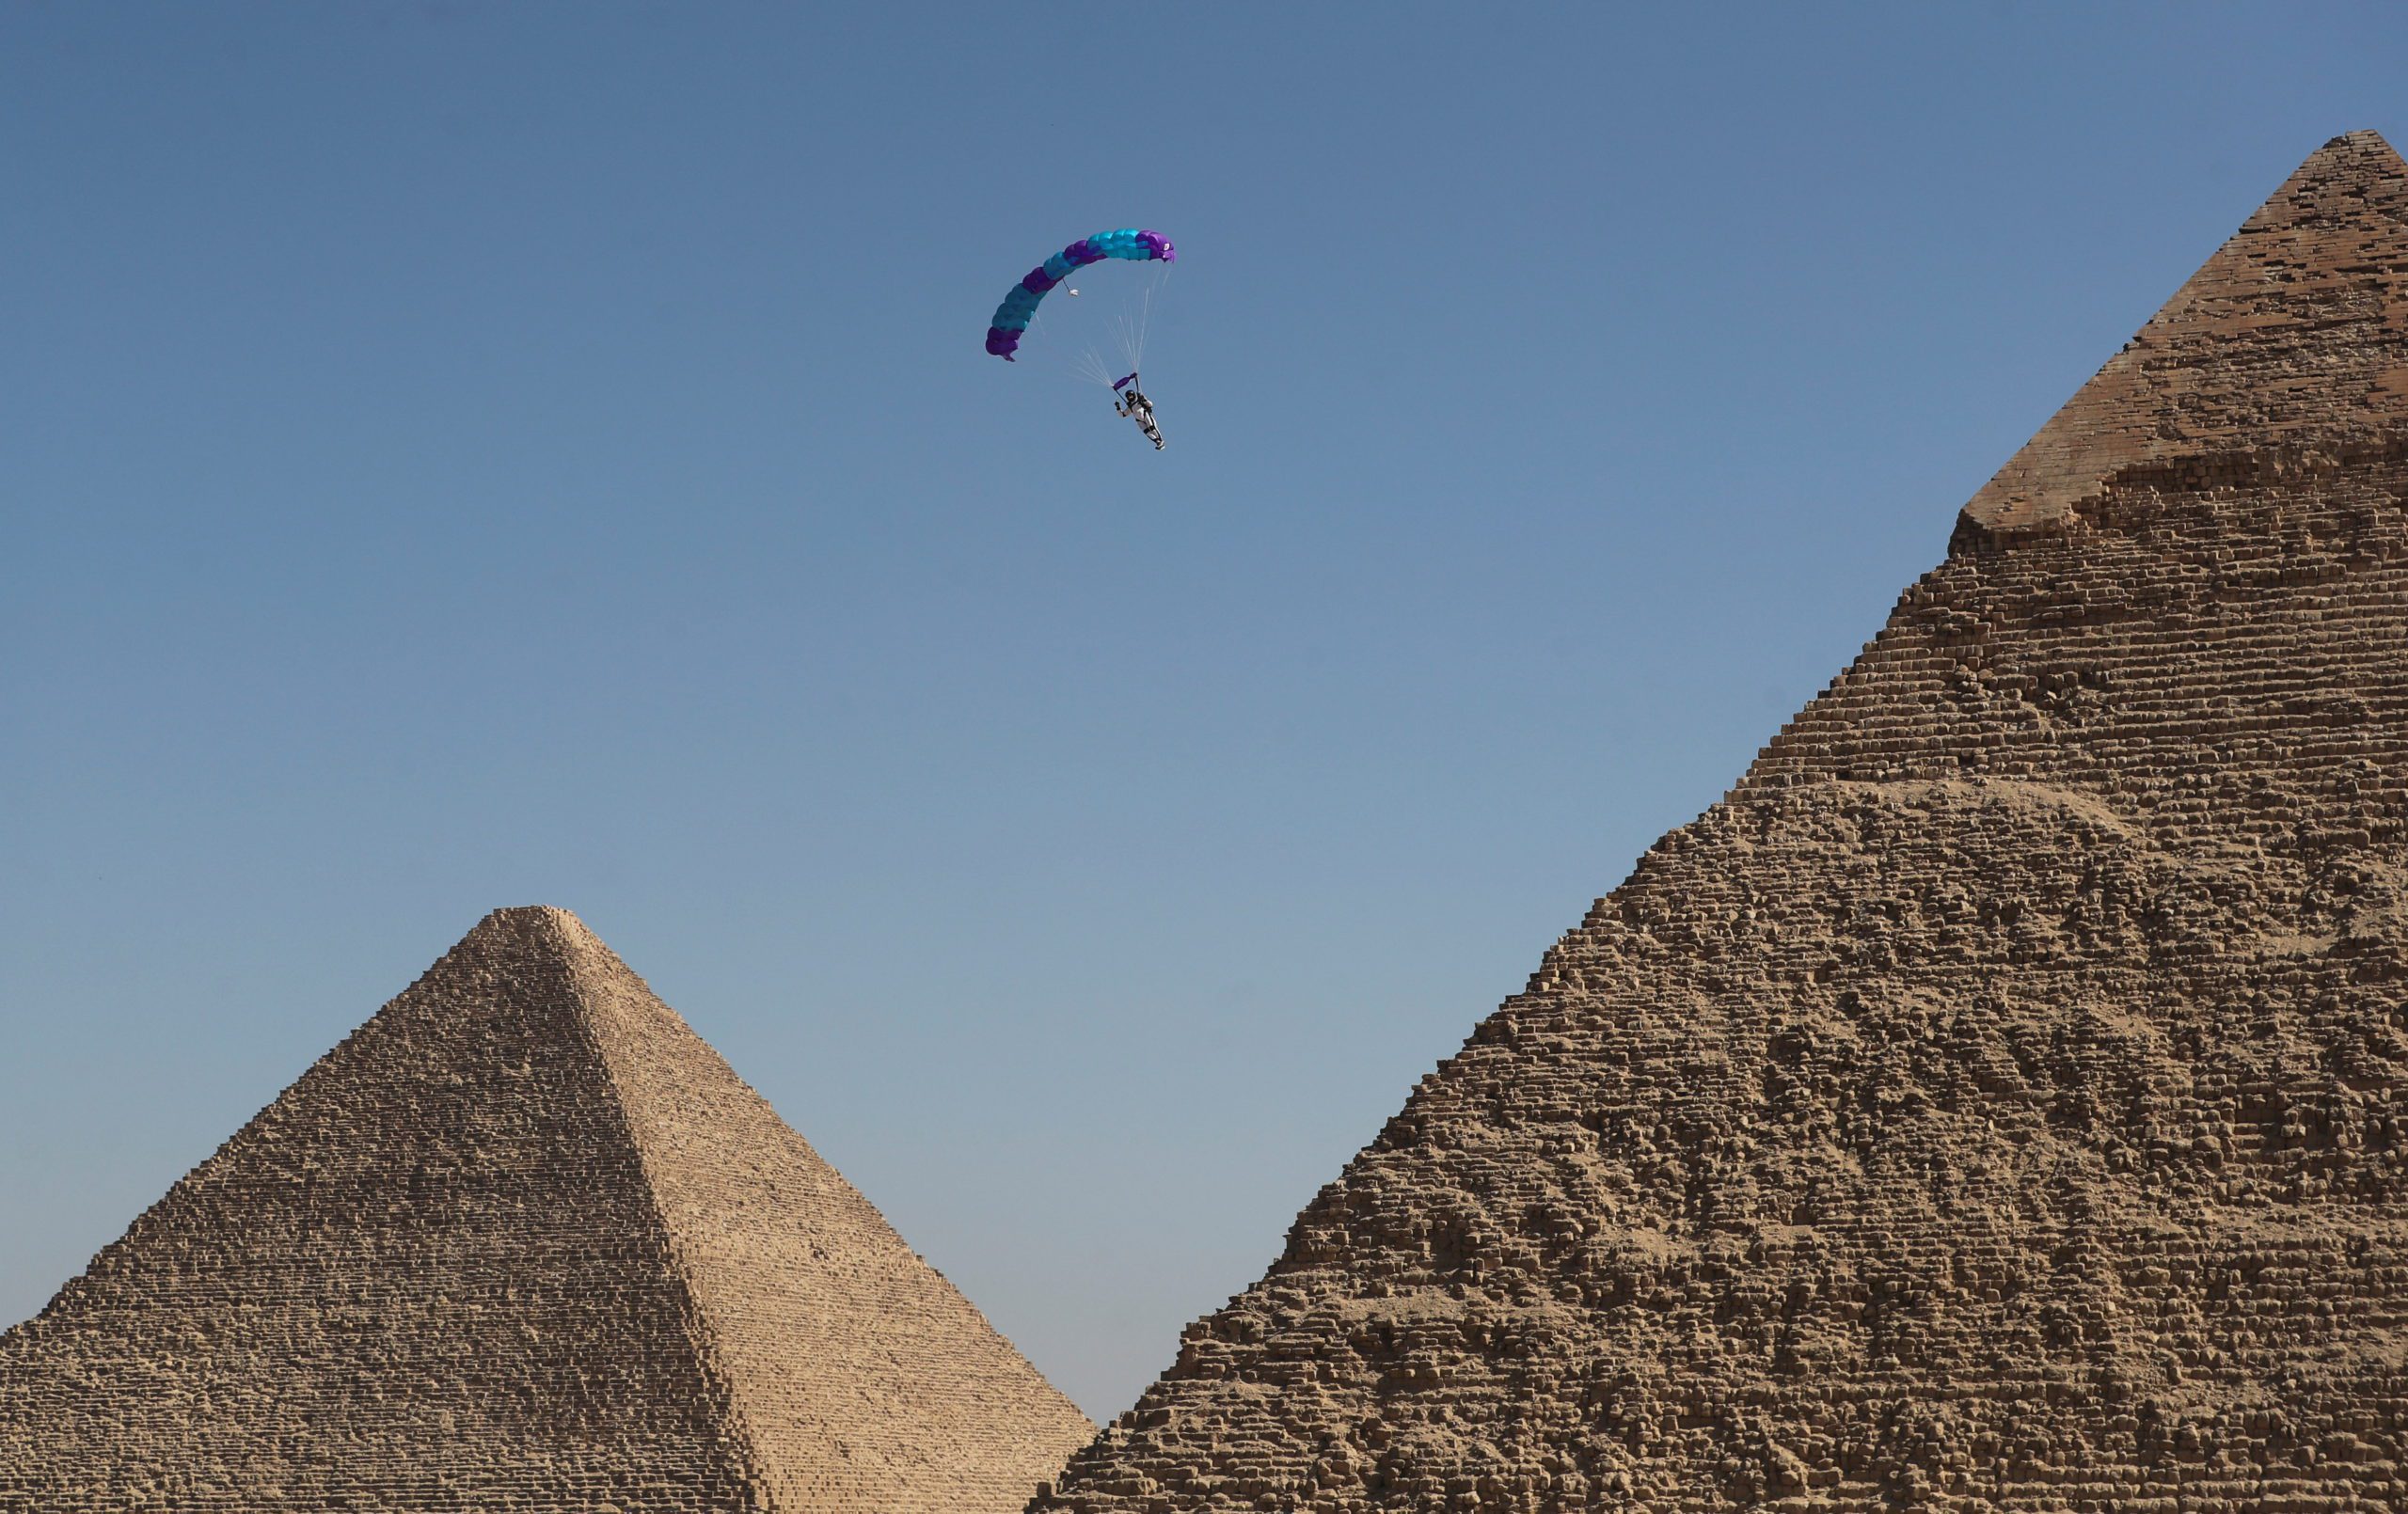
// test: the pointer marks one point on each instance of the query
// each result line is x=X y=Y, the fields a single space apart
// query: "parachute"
x=1018 y=308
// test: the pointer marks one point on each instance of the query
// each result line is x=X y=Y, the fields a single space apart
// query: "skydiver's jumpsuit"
x=1141 y=410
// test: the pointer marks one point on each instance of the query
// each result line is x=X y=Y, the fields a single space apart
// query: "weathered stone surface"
x=522 y=1241
x=1997 y=1103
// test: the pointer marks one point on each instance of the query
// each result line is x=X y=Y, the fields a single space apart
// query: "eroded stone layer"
x=482 y=1257
x=1995 y=1104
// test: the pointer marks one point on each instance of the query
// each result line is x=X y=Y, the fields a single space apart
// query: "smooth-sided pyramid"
x=1997 y=1103
x=521 y=1243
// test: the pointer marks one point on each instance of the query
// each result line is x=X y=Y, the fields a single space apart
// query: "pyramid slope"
x=1997 y=1103
x=442 y=1272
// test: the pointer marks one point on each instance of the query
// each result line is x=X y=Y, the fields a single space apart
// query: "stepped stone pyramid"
x=1996 y=1103
x=521 y=1243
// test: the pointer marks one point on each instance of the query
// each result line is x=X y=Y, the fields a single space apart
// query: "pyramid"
x=1999 y=1100
x=521 y=1243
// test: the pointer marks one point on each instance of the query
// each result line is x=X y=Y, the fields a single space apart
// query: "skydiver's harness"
x=1138 y=408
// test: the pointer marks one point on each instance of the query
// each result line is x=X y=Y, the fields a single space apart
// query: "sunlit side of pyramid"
x=523 y=1241
x=1996 y=1102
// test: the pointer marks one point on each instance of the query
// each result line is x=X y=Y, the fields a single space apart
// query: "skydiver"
x=1140 y=409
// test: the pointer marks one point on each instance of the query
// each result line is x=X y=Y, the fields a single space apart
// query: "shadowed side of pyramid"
x=442 y=1272
x=1998 y=1102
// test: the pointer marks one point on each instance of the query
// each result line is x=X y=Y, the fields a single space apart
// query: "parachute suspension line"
x=1145 y=316
x=1081 y=362
x=1125 y=334
x=1131 y=327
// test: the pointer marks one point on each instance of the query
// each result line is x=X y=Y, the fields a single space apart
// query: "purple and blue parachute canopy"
x=1012 y=317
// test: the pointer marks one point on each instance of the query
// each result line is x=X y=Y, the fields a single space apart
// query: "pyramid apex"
x=2299 y=201
x=545 y=930
x=2291 y=339
x=2363 y=139
x=524 y=915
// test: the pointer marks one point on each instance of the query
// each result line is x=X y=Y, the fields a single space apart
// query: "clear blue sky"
x=456 y=455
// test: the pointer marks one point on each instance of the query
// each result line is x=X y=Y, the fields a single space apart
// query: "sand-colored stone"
x=521 y=1243
x=2000 y=1101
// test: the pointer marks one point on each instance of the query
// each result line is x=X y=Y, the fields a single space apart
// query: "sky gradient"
x=456 y=456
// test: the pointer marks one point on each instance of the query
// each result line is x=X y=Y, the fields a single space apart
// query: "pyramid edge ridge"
x=577 y=945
